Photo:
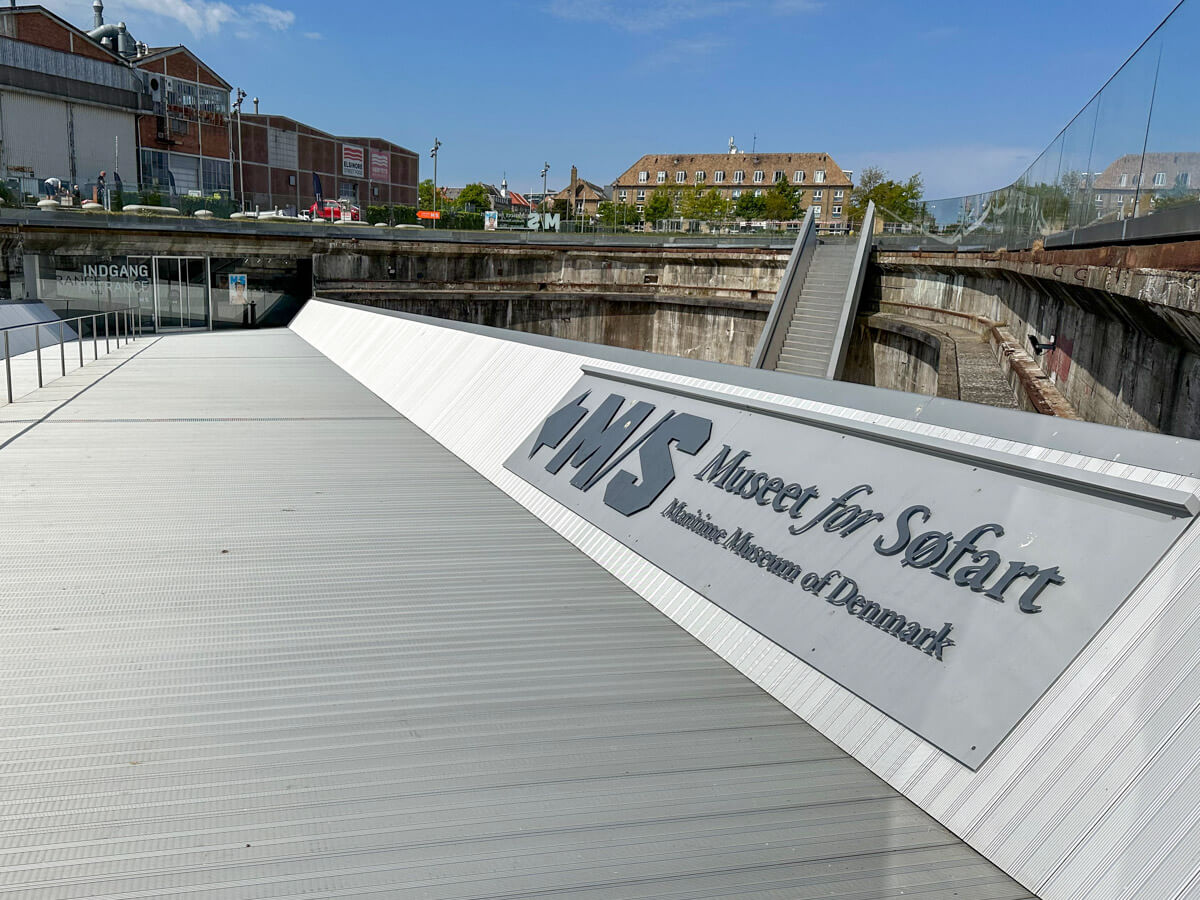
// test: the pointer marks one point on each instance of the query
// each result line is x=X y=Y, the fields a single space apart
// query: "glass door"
x=168 y=292
x=180 y=292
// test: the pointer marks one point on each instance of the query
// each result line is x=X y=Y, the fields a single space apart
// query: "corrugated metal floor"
x=261 y=637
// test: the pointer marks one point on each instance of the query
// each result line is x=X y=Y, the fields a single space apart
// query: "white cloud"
x=640 y=16
x=277 y=19
x=314 y=35
x=200 y=17
x=644 y=16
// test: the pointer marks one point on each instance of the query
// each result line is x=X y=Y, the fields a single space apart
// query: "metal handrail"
x=858 y=274
x=125 y=316
x=766 y=352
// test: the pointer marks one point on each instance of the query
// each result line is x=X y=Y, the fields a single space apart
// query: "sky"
x=965 y=93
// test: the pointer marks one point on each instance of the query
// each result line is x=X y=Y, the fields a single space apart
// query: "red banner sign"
x=381 y=166
x=428 y=214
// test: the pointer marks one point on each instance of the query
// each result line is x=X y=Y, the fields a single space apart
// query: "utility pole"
x=545 y=169
x=434 y=153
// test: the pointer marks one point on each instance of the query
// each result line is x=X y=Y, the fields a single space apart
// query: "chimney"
x=256 y=106
x=97 y=12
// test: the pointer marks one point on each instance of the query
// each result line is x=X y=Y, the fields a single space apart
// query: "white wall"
x=36 y=135
x=1092 y=795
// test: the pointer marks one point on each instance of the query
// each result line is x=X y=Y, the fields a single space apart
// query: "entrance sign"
x=945 y=584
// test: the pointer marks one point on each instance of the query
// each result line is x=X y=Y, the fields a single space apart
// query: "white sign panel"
x=946 y=585
x=352 y=161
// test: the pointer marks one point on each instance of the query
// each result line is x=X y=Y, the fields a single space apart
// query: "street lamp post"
x=434 y=153
x=241 y=95
x=545 y=169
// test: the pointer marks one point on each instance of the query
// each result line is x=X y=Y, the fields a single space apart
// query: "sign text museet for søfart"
x=948 y=595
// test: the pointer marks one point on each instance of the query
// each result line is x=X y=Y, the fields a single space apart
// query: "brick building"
x=74 y=103
x=281 y=156
x=68 y=105
x=184 y=143
x=583 y=198
x=823 y=183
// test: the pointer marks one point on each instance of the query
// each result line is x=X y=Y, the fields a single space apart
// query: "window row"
x=739 y=176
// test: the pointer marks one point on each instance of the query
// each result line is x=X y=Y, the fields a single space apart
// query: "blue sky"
x=966 y=93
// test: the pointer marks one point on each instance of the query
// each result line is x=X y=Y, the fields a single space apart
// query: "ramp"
x=810 y=321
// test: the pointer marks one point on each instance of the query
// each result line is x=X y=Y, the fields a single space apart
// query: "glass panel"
x=168 y=292
x=1134 y=150
x=1173 y=142
x=195 y=287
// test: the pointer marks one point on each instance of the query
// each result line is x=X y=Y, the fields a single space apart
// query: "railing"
x=766 y=353
x=125 y=327
x=858 y=275
x=1126 y=167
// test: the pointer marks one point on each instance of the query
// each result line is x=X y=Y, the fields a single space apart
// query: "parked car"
x=334 y=212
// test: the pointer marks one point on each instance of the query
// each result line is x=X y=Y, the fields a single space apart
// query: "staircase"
x=813 y=331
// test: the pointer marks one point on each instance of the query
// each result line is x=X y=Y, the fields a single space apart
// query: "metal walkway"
x=811 y=335
x=261 y=637
x=808 y=328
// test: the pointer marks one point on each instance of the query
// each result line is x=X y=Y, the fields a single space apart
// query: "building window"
x=214 y=102
x=836 y=212
x=662 y=176
x=623 y=195
x=578 y=206
x=736 y=194
x=1184 y=179
x=758 y=193
x=778 y=175
x=838 y=195
x=819 y=176
x=641 y=195
x=1099 y=199
x=817 y=195
x=739 y=176
x=1160 y=178
x=758 y=176
x=1123 y=181
x=816 y=211
x=216 y=176
x=798 y=176
x=643 y=177
x=680 y=177
x=640 y=209
x=1119 y=198
x=719 y=176
x=699 y=175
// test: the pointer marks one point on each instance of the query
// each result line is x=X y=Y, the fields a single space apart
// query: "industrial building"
x=76 y=103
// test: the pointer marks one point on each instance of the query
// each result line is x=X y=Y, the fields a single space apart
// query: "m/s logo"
x=595 y=449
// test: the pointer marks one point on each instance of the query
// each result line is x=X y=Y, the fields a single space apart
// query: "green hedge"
x=392 y=215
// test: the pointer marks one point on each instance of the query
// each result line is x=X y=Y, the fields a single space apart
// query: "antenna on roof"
x=754 y=146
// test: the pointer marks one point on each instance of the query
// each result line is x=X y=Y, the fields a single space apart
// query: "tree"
x=691 y=202
x=661 y=204
x=896 y=200
x=425 y=194
x=751 y=207
x=616 y=215
x=782 y=201
x=475 y=194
